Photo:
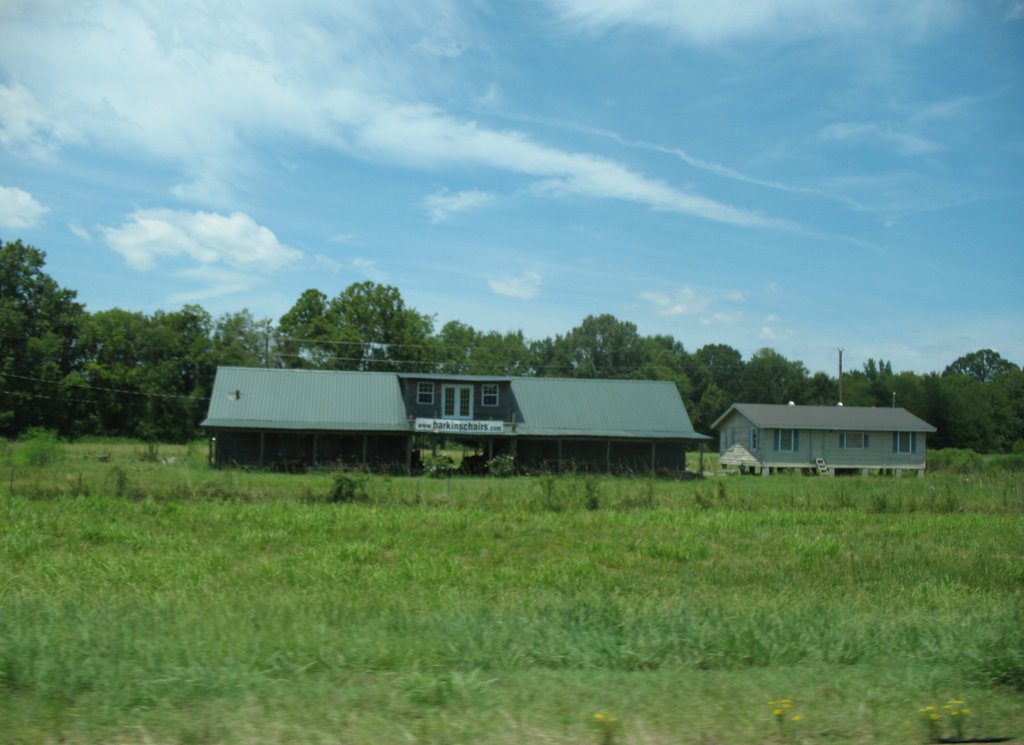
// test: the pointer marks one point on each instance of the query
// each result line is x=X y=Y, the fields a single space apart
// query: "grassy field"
x=145 y=598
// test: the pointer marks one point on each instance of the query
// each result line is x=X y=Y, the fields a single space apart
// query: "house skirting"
x=893 y=469
x=394 y=451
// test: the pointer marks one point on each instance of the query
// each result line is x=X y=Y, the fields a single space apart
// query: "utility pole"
x=840 y=349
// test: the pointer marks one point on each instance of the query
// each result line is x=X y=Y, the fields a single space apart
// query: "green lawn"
x=150 y=601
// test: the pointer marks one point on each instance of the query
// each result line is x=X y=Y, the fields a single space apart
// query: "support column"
x=608 y=457
x=654 y=454
x=559 y=454
x=365 y=436
x=262 y=445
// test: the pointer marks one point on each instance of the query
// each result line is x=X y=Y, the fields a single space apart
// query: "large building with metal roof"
x=298 y=418
x=825 y=439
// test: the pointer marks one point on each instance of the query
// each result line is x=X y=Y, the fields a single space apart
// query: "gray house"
x=828 y=439
x=299 y=418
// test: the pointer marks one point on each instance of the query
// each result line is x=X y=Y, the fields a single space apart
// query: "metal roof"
x=647 y=409
x=866 y=418
x=456 y=378
x=266 y=398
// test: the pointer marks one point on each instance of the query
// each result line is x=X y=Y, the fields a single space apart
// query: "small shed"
x=300 y=418
x=824 y=439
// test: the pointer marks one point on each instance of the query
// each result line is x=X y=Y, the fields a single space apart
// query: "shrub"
x=955 y=460
x=502 y=466
x=348 y=487
x=438 y=466
x=1012 y=463
x=591 y=493
x=39 y=447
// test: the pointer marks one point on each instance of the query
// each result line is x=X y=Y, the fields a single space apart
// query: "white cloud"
x=684 y=301
x=869 y=132
x=79 y=232
x=368 y=268
x=204 y=90
x=18 y=209
x=701 y=22
x=219 y=283
x=729 y=318
x=441 y=205
x=327 y=263
x=26 y=128
x=525 y=286
x=235 y=240
x=1016 y=13
x=439 y=45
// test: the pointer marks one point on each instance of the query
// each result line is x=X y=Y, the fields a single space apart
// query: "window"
x=425 y=393
x=457 y=402
x=853 y=440
x=489 y=394
x=787 y=440
x=755 y=435
x=904 y=443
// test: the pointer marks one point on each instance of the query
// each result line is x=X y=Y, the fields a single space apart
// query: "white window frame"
x=461 y=394
x=844 y=440
x=755 y=438
x=900 y=450
x=425 y=394
x=783 y=448
x=489 y=395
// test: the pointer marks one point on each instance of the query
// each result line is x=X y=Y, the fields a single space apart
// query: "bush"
x=955 y=460
x=438 y=466
x=348 y=487
x=1012 y=463
x=38 y=447
x=502 y=466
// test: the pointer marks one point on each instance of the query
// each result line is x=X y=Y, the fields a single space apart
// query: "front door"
x=457 y=402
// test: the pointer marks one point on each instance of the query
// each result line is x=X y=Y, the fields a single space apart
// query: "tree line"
x=123 y=373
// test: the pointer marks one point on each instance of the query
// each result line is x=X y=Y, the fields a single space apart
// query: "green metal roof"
x=647 y=409
x=265 y=398
x=861 y=418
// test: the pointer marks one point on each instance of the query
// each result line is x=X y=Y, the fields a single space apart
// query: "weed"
x=38 y=448
x=438 y=466
x=348 y=486
x=591 y=493
x=933 y=720
x=606 y=726
x=549 y=493
x=784 y=719
x=502 y=466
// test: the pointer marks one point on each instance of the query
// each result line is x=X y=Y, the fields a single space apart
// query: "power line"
x=105 y=389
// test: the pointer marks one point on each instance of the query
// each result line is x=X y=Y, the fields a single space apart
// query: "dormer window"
x=457 y=401
x=425 y=394
x=489 y=394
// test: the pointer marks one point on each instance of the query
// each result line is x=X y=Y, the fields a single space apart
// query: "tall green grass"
x=155 y=601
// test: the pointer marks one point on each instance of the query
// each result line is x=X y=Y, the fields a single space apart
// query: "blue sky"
x=797 y=174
